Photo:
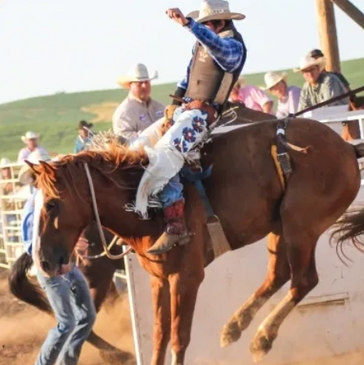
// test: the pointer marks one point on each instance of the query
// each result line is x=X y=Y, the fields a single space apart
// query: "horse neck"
x=112 y=200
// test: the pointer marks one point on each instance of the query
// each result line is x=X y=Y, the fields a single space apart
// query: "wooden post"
x=351 y=11
x=328 y=34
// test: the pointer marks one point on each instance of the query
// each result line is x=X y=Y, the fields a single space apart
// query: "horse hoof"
x=117 y=357
x=230 y=333
x=260 y=346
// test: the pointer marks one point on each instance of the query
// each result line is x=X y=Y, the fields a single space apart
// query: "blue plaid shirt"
x=227 y=52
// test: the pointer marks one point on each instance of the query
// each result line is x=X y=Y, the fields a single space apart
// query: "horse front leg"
x=99 y=289
x=184 y=288
x=162 y=319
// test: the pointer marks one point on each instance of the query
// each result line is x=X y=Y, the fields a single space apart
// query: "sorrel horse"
x=101 y=287
x=245 y=192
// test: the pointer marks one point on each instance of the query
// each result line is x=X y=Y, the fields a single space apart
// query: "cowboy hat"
x=316 y=53
x=25 y=173
x=83 y=124
x=308 y=61
x=273 y=78
x=29 y=135
x=4 y=161
x=138 y=73
x=214 y=10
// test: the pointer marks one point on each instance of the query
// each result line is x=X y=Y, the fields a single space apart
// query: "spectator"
x=288 y=96
x=316 y=54
x=138 y=111
x=83 y=136
x=7 y=188
x=319 y=86
x=31 y=140
x=253 y=97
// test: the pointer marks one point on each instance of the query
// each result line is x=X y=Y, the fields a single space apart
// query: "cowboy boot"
x=175 y=231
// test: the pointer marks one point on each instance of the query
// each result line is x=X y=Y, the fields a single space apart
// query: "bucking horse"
x=287 y=179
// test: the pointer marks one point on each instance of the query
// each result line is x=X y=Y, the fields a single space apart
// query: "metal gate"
x=13 y=196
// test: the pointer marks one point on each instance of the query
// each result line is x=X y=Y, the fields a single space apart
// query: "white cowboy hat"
x=273 y=78
x=29 y=135
x=25 y=173
x=214 y=10
x=138 y=73
x=4 y=161
x=308 y=61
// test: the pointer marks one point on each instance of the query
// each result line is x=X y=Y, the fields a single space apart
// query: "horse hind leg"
x=277 y=275
x=301 y=256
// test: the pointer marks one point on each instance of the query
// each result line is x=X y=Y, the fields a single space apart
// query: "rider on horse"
x=218 y=59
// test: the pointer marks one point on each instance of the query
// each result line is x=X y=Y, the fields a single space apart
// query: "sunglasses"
x=310 y=70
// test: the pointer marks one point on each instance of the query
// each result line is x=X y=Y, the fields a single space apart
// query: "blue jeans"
x=172 y=192
x=70 y=299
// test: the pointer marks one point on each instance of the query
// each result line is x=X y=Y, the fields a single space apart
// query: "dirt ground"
x=24 y=328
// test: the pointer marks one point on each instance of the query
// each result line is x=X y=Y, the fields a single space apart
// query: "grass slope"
x=56 y=116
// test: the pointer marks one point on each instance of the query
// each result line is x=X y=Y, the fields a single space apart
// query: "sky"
x=49 y=46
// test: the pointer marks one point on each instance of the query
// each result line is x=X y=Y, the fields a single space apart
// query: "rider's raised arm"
x=182 y=85
x=227 y=52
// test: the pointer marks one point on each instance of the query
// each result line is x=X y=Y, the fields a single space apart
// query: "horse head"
x=65 y=207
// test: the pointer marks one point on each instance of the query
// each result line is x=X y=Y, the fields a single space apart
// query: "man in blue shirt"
x=68 y=295
x=83 y=137
x=219 y=55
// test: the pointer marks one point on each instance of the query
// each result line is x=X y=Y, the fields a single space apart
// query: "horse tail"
x=24 y=288
x=348 y=229
x=359 y=150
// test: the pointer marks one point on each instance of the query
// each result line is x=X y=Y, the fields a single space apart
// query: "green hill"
x=56 y=116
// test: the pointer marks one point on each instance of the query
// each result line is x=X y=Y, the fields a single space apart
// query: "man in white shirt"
x=138 y=111
x=31 y=140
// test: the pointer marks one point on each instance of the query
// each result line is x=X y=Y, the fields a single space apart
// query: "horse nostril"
x=45 y=266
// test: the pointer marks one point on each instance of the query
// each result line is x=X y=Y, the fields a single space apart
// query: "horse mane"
x=115 y=156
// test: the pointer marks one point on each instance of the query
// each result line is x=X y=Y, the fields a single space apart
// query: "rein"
x=99 y=226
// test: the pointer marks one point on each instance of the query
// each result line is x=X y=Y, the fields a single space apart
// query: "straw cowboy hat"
x=138 y=73
x=4 y=161
x=29 y=135
x=214 y=10
x=273 y=78
x=25 y=173
x=308 y=61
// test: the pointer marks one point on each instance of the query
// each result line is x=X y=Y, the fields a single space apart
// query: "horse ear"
x=47 y=167
x=33 y=167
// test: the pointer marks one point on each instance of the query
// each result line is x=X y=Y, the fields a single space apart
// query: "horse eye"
x=50 y=205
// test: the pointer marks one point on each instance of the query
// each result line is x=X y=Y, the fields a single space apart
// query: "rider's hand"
x=177 y=16
x=81 y=245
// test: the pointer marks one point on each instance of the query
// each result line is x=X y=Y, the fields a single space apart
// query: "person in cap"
x=316 y=54
x=288 y=96
x=319 y=86
x=251 y=96
x=218 y=57
x=31 y=140
x=83 y=136
x=138 y=110
x=68 y=293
